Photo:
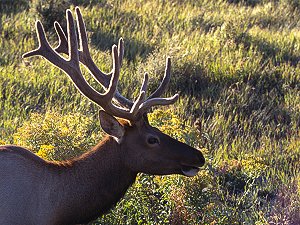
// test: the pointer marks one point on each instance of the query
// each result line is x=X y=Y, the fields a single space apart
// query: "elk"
x=36 y=191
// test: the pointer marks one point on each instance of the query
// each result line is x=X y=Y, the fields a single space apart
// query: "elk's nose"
x=201 y=159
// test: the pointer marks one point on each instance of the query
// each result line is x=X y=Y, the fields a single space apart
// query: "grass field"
x=236 y=66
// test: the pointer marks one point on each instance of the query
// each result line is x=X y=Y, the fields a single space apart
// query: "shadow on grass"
x=86 y=3
x=251 y=3
x=55 y=10
x=270 y=50
x=2 y=62
x=13 y=6
x=259 y=97
x=133 y=48
x=126 y=24
x=194 y=81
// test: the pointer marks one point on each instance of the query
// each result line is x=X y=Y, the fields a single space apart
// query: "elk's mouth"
x=189 y=171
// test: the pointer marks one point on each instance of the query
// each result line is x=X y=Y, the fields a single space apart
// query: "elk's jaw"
x=189 y=171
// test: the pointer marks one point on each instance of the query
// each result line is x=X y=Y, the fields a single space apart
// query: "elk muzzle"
x=191 y=163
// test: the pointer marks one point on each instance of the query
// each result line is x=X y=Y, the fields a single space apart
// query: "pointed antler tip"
x=38 y=23
x=168 y=63
x=69 y=14
x=77 y=11
x=121 y=43
x=57 y=26
x=30 y=54
x=174 y=98
x=114 y=48
x=24 y=56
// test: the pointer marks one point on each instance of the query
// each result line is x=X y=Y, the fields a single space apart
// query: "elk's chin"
x=189 y=171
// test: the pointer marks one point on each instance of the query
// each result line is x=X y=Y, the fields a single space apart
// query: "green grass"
x=236 y=66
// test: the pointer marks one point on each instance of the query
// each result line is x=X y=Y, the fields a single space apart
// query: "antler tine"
x=72 y=37
x=115 y=75
x=62 y=39
x=156 y=101
x=82 y=33
x=141 y=97
x=165 y=82
x=121 y=50
x=153 y=99
x=84 y=49
x=145 y=83
x=44 y=48
x=118 y=97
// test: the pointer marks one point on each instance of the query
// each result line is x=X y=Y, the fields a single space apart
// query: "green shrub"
x=171 y=124
x=58 y=137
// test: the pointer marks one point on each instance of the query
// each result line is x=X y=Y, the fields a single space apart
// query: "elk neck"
x=93 y=183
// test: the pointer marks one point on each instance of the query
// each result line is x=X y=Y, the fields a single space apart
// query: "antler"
x=85 y=56
x=132 y=111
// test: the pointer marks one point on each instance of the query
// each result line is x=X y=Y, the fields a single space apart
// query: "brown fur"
x=76 y=193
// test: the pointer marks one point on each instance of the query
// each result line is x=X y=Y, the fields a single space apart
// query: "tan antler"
x=132 y=111
x=85 y=57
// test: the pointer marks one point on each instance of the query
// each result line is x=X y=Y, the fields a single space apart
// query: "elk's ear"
x=111 y=125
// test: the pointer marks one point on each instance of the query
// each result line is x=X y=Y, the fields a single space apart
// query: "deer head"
x=144 y=148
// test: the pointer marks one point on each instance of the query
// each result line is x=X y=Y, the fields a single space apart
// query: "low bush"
x=58 y=137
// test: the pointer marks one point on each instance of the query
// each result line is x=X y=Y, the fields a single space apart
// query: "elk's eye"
x=153 y=140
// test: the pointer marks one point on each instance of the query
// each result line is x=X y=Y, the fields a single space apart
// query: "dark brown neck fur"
x=91 y=184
